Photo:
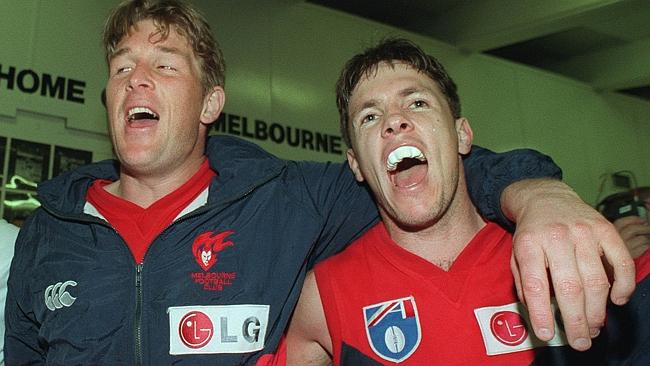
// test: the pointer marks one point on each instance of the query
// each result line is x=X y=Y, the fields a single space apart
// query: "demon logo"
x=207 y=245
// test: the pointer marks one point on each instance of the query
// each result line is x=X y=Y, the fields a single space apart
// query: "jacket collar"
x=241 y=166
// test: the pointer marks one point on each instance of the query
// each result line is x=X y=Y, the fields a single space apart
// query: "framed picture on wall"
x=67 y=159
x=18 y=205
x=28 y=164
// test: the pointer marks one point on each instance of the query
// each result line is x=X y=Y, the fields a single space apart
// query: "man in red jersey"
x=431 y=284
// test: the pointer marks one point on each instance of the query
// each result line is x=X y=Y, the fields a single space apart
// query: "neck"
x=442 y=242
x=143 y=189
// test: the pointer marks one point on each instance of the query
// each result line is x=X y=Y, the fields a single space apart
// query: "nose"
x=395 y=123
x=140 y=78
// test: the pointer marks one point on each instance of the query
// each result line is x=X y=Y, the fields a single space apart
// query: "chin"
x=415 y=221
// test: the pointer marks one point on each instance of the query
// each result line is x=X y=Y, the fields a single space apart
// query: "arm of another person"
x=557 y=231
x=308 y=339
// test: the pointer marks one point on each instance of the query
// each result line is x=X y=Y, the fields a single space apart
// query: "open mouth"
x=406 y=166
x=142 y=114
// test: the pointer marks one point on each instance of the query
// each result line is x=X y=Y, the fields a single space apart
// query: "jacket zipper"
x=138 y=314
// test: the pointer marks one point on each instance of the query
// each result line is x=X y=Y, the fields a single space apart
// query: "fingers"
x=628 y=220
x=595 y=282
x=635 y=232
x=517 y=278
x=569 y=291
x=618 y=256
x=631 y=226
x=579 y=281
x=533 y=287
x=638 y=245
x=631 y=231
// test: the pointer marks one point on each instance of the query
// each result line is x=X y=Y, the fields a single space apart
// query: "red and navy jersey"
x=385 y=305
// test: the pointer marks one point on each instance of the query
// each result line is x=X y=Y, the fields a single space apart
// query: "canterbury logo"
x=57 y=297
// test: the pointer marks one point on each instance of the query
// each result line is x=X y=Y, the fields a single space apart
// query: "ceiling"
x=605 y=43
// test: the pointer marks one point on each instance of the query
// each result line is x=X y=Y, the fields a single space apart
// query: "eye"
x=167 y=68
x=121 y=70
x=419 y=104
x=368 y=118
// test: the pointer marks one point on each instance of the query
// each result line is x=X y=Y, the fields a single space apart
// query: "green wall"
x=283 y=58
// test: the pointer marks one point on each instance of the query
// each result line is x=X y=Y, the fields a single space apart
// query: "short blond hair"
x=187 y=21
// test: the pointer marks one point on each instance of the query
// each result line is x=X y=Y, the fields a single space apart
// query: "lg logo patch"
x=57 y=297
x=509 y=328
x=211 y=329
x=195 y=329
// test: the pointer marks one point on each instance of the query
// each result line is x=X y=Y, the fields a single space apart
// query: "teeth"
x=136 y=110
x=401 y=153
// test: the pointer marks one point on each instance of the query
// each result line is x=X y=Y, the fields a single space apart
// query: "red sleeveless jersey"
x=386 y=305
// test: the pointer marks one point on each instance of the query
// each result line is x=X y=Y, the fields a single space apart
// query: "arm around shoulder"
x=308 y=339
x=489 y=173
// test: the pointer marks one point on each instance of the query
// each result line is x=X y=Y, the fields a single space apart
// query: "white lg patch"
x=504 y=329
x=217 y=329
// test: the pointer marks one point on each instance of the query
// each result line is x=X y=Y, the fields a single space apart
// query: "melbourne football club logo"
x=393 y=328
x=207 y=245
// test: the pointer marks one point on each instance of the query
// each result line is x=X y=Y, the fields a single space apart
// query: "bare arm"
x=558 y=231
x=308 y=339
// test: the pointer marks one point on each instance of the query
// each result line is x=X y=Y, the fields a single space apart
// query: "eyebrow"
x=164 y=49
x=120 y=52
x=171 y=50
x=413 y=90
x=402 y=93
x=368 y=104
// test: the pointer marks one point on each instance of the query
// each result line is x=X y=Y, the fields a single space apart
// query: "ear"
x=212 y=105
x=465 y=136
x=354 y=165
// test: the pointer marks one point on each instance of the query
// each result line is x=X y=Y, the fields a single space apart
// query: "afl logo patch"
x=393 y=328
